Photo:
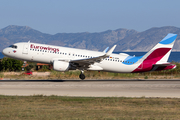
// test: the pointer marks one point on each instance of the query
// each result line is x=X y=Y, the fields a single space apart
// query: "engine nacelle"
x=61 y=66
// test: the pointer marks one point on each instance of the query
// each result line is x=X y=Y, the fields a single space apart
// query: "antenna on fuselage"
x=29 y=41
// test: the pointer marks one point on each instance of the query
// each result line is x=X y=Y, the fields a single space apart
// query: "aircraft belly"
x=117 y=67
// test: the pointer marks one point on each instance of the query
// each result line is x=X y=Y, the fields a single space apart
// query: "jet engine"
x=61 y=66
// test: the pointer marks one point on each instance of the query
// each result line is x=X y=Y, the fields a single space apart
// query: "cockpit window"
x=13 y=46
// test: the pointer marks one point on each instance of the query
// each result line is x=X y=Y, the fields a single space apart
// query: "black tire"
x=82 y=76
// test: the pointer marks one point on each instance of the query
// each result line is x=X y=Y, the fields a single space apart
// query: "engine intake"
x=61 y=66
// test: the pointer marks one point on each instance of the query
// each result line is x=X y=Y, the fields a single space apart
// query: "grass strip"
x=57 y=107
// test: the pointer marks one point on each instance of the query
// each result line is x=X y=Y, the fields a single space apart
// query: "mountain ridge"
x=126 y=39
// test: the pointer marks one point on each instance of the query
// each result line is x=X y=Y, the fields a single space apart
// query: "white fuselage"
x=48 y=53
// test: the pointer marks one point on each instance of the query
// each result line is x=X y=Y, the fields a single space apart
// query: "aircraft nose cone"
x=4 y=52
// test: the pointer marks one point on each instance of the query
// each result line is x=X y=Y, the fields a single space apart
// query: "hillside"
x=144 y=41
x=124 y=38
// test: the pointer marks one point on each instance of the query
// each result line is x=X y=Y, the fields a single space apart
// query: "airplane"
x=64 y=58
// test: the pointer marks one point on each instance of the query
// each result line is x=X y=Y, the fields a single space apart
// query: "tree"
x=9 y=64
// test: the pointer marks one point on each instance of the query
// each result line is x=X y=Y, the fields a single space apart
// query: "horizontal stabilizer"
x=164 y=66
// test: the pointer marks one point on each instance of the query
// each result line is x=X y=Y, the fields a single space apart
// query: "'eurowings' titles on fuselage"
x=44 y=48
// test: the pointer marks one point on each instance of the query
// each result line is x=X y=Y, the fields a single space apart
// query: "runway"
x=92 y=88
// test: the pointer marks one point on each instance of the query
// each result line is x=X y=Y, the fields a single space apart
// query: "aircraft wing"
x=86 y=62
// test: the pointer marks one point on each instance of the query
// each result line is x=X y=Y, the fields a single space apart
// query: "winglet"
x=105 y=51
x=110 y=51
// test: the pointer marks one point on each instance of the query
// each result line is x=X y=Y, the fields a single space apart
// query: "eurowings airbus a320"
x=64 y=58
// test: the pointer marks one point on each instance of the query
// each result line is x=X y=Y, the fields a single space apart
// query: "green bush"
x=9 y=64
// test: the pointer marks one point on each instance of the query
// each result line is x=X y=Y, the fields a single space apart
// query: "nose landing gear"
x=82 y=76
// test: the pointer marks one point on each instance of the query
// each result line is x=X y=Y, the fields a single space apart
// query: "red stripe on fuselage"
x=152 y=59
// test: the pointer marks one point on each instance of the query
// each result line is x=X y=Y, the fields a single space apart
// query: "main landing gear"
x=82 y=76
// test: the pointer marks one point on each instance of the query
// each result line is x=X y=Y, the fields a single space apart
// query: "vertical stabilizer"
x=159 y=54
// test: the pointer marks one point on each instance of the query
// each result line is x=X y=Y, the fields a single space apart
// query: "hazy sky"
x=72 y=16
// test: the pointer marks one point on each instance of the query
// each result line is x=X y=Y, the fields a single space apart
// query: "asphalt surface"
x=92 y=88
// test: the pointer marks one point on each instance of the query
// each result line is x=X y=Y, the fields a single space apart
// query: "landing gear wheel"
x=82 y=76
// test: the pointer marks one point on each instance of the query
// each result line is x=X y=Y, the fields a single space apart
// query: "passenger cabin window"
x=13 y=46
